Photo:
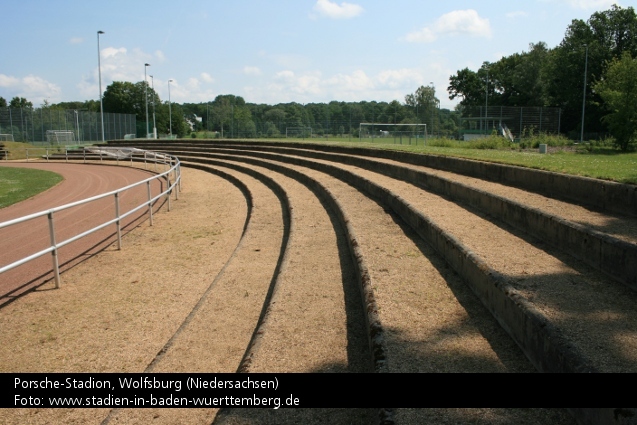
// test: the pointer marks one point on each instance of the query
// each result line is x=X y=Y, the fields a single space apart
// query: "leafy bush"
x=491 y=142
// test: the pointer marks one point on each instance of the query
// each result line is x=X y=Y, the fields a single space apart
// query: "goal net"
x=398 y=133
x=6 y=138
x=298 y=132
x=59 y=136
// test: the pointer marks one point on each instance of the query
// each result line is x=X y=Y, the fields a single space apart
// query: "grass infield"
x=18 y=184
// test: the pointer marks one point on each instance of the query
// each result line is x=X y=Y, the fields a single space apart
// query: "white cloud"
x=458 y=22
x=207 y=78
x=252 y=70
x=118 y=64
x=328 y=9
x=288 y=86
x=193 y=90
x=35 y=89
x=516 y=14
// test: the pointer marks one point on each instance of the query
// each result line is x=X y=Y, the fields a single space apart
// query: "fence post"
x=150 y=204
x=168 y=190
x=54 y=253
x=179 y=168
x=177 y=183
x=118 y=222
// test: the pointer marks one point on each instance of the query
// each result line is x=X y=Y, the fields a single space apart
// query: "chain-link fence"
x=32 y=124
x=520 y=122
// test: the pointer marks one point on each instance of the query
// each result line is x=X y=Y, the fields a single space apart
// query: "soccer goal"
x=6 y=138
x=57 y=137
x=399 y=133
x=298 y=132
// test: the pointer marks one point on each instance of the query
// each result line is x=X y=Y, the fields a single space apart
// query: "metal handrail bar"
x=79 y=236
x=175 y=185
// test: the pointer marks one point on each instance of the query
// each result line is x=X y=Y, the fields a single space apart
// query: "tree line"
x=584 y=75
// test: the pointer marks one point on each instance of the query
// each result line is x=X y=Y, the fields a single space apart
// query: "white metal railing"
x=172 y=176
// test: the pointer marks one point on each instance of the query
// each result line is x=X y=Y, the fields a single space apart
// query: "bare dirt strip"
x=251 y=271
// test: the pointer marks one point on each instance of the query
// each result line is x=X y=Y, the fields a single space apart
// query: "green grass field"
x=18 y=184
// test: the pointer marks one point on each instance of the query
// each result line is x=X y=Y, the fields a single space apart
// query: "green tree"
x=618 y=89
x=3 y=102
x=424 y=104
x=179 y=126
x=592 y=45
x=468 y=86
x=124 y=97
x=89 y=105
x=20 y=102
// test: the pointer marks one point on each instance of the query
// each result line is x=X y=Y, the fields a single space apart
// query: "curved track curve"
x=81 y=181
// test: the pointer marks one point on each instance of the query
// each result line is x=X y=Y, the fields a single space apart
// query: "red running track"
x=81 y=181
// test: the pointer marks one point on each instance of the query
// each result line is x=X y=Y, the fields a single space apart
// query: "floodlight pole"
x=170 y=112
x=99 y=71
x=146 y=96
x=581 y=137
x=152 y=80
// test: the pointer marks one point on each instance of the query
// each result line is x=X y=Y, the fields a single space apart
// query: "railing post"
x=84 y=154
x=54 y=253
x=28 y=154
x=118 y=222
x=150 y=204
x=168 y=190
x=66 y=153
x=177 y=183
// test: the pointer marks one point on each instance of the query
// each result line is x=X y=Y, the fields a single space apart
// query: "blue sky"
x=268 y=51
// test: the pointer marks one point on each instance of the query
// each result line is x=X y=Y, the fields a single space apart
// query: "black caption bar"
x=276 y=391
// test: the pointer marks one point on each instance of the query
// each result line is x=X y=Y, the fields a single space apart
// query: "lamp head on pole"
x=100 y=32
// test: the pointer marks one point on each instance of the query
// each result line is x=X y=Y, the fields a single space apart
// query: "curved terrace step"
x=576 y=361
x=605 y=241
x=401 y=304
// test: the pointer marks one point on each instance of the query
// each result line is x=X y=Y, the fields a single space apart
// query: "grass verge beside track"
x=18 y=184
